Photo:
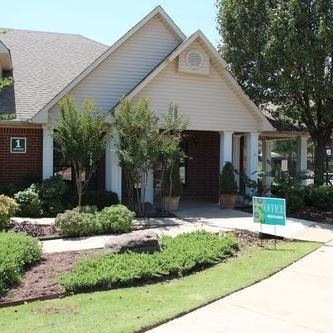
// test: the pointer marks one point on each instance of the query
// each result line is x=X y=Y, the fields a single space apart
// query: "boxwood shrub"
x=180 y=255
x=17 y=251
x=87 y=221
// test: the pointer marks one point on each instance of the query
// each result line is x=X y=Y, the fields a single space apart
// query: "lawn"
x=131 y=309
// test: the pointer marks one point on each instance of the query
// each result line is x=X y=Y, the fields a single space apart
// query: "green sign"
x=18 y=145
x=269 y=210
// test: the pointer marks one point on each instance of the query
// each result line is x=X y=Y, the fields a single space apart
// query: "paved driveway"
x=298 y=299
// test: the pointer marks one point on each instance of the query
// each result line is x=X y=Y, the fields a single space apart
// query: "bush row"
x=87 y=221
x=17 y=251
x=180 y=255
x=52 y=196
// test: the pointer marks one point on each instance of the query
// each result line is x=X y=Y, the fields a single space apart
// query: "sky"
x=105 y=20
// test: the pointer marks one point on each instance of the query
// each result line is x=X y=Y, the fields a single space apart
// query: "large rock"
x=136 y=241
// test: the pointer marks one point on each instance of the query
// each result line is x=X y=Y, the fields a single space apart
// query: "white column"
x=113 y=172
x=47 y=153
x=302 y=153
x=149 y=194
x=225 y=148
x=267 y=161
x=252 y=155
x=236 y=154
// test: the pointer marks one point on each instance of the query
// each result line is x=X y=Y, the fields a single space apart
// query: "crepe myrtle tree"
x=81 y=136
x=281 y=52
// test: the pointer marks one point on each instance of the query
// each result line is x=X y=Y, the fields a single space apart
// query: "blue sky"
x=106 y=20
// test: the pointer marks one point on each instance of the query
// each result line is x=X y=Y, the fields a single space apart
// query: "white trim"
x=263 y=122
x=225 y=148
x=40 y=117
x=47 y=153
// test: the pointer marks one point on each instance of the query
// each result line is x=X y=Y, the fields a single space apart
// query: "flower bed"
x=180 y=255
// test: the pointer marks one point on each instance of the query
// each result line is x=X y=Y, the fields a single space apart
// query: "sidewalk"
x=299 y=299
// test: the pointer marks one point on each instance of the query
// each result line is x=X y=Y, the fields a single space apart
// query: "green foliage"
x=7 y=116
x=50 y=192
x=100 y=199
x=29 y=204
x=281 y=53
x=228 y=184
x=320 y=197
x=17 y=251
x=73 y=223
x=87 y=221
x=172 y=185
x=8 y=207
x=115 y=219
x=180 y=256
x=5 y=83
x=81 y=136
x=290 y=188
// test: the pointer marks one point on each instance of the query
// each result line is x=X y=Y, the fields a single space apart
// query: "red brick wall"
x=202 y=165
x=14 y=168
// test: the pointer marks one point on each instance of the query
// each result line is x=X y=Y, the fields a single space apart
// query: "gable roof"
x=42 y=114
x=44 y=63
x=216 y=59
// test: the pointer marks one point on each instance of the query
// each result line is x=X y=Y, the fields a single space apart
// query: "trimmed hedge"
x=85 y=222
x=17 y=251
x=180 y=255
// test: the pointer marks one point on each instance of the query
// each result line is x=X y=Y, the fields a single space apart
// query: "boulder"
x=136 y=241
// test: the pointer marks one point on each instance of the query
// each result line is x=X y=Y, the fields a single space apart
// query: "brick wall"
x=14 y=168
x=202 y=165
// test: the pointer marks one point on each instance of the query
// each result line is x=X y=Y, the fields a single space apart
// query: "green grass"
x=128 y=310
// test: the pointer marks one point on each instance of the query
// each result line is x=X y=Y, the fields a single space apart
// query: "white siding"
x=207 y=101
x=127 y=65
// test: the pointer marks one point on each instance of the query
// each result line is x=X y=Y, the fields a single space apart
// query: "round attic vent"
x=194 y=59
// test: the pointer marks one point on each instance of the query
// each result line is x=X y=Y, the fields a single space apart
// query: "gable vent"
x=194 y=59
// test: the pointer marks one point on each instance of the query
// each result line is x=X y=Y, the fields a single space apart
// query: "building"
x=155 y=60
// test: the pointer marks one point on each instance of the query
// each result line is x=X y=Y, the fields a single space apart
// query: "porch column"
x=236 y=154
x=149 y=195
x=252 y=155
x=225 y=148
x=302 y=154
x=267 y=162
x=113 y=172
x=47 y=153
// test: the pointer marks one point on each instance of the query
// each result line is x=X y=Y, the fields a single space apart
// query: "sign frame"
x=13 y=138
x=270 y=215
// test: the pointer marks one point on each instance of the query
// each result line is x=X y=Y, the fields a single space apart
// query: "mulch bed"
x=314 y=214
x=307 y=213
x=40 y=280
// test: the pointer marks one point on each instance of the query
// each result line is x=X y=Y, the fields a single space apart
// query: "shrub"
x=9 y=189
x=320 y=197
x=117 y=218
x=228 y=184
x=100 y=199
x=29 y=204
x=8 y=207
x=50 y=192
x=74 y=223
x=180 y=255
x=17 y=251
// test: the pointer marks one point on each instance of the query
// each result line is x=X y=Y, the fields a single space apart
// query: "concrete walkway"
x=298 y=299
x=203 y=216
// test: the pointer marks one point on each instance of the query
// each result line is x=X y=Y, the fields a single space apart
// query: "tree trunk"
x=319 y=162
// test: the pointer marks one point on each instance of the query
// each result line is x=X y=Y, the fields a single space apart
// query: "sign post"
x=270 y=211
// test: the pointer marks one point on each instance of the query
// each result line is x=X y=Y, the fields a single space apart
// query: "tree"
x=81 y=137
x=281 y=52
x=137 y=131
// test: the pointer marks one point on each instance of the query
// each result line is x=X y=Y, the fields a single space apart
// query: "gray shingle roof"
x=44 y=63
